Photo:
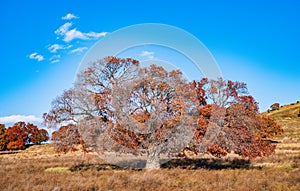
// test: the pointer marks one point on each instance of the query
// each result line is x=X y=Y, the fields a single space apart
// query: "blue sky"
x=43 y=42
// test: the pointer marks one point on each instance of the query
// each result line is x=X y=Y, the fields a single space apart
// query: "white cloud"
x=17 y=118
x=74 y=34
x=67 y=47
x=71 y=34
x=95 y=35
x=36 y=56
x=55 y=47
x=69 y=16
x=149 y=55
x=78 y=50
x=63 y=29
x=54 y=59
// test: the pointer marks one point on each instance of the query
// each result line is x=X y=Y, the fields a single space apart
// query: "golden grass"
x=58 y=169
x=75 y=171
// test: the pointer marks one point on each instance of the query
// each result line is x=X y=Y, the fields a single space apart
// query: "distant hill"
x=287 y=153
x=287 y=117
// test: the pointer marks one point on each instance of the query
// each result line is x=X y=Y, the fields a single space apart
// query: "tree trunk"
x=153 y=157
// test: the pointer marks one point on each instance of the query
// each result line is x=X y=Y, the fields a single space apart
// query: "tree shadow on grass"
x=210 y=164
x=97 y=167
x=15 y=151
x=185 y=163
x=9 y=152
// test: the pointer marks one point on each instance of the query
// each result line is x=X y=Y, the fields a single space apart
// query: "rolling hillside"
x=287 y=153
x=287 y=116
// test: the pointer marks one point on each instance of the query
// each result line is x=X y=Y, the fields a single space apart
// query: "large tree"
x=117 y=106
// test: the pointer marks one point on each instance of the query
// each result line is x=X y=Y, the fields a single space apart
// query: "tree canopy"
x=118 y=106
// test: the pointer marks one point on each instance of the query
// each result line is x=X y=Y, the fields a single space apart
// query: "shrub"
x=274 y=106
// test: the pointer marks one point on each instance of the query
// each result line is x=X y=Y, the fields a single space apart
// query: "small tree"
x=17 y=136
x=275 y=106
x=3 y=137
x=32 y=132
x=35 y=135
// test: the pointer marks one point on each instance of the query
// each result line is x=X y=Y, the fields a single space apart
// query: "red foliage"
x=124 y=138
x=268 y=128
x=241 y=129
x=17 y=136
x=21 y=134
x=67 y=138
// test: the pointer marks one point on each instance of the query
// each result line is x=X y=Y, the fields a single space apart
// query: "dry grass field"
x=40 y=168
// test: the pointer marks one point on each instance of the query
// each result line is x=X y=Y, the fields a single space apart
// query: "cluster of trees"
x=21 y=134
x=116 y=105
